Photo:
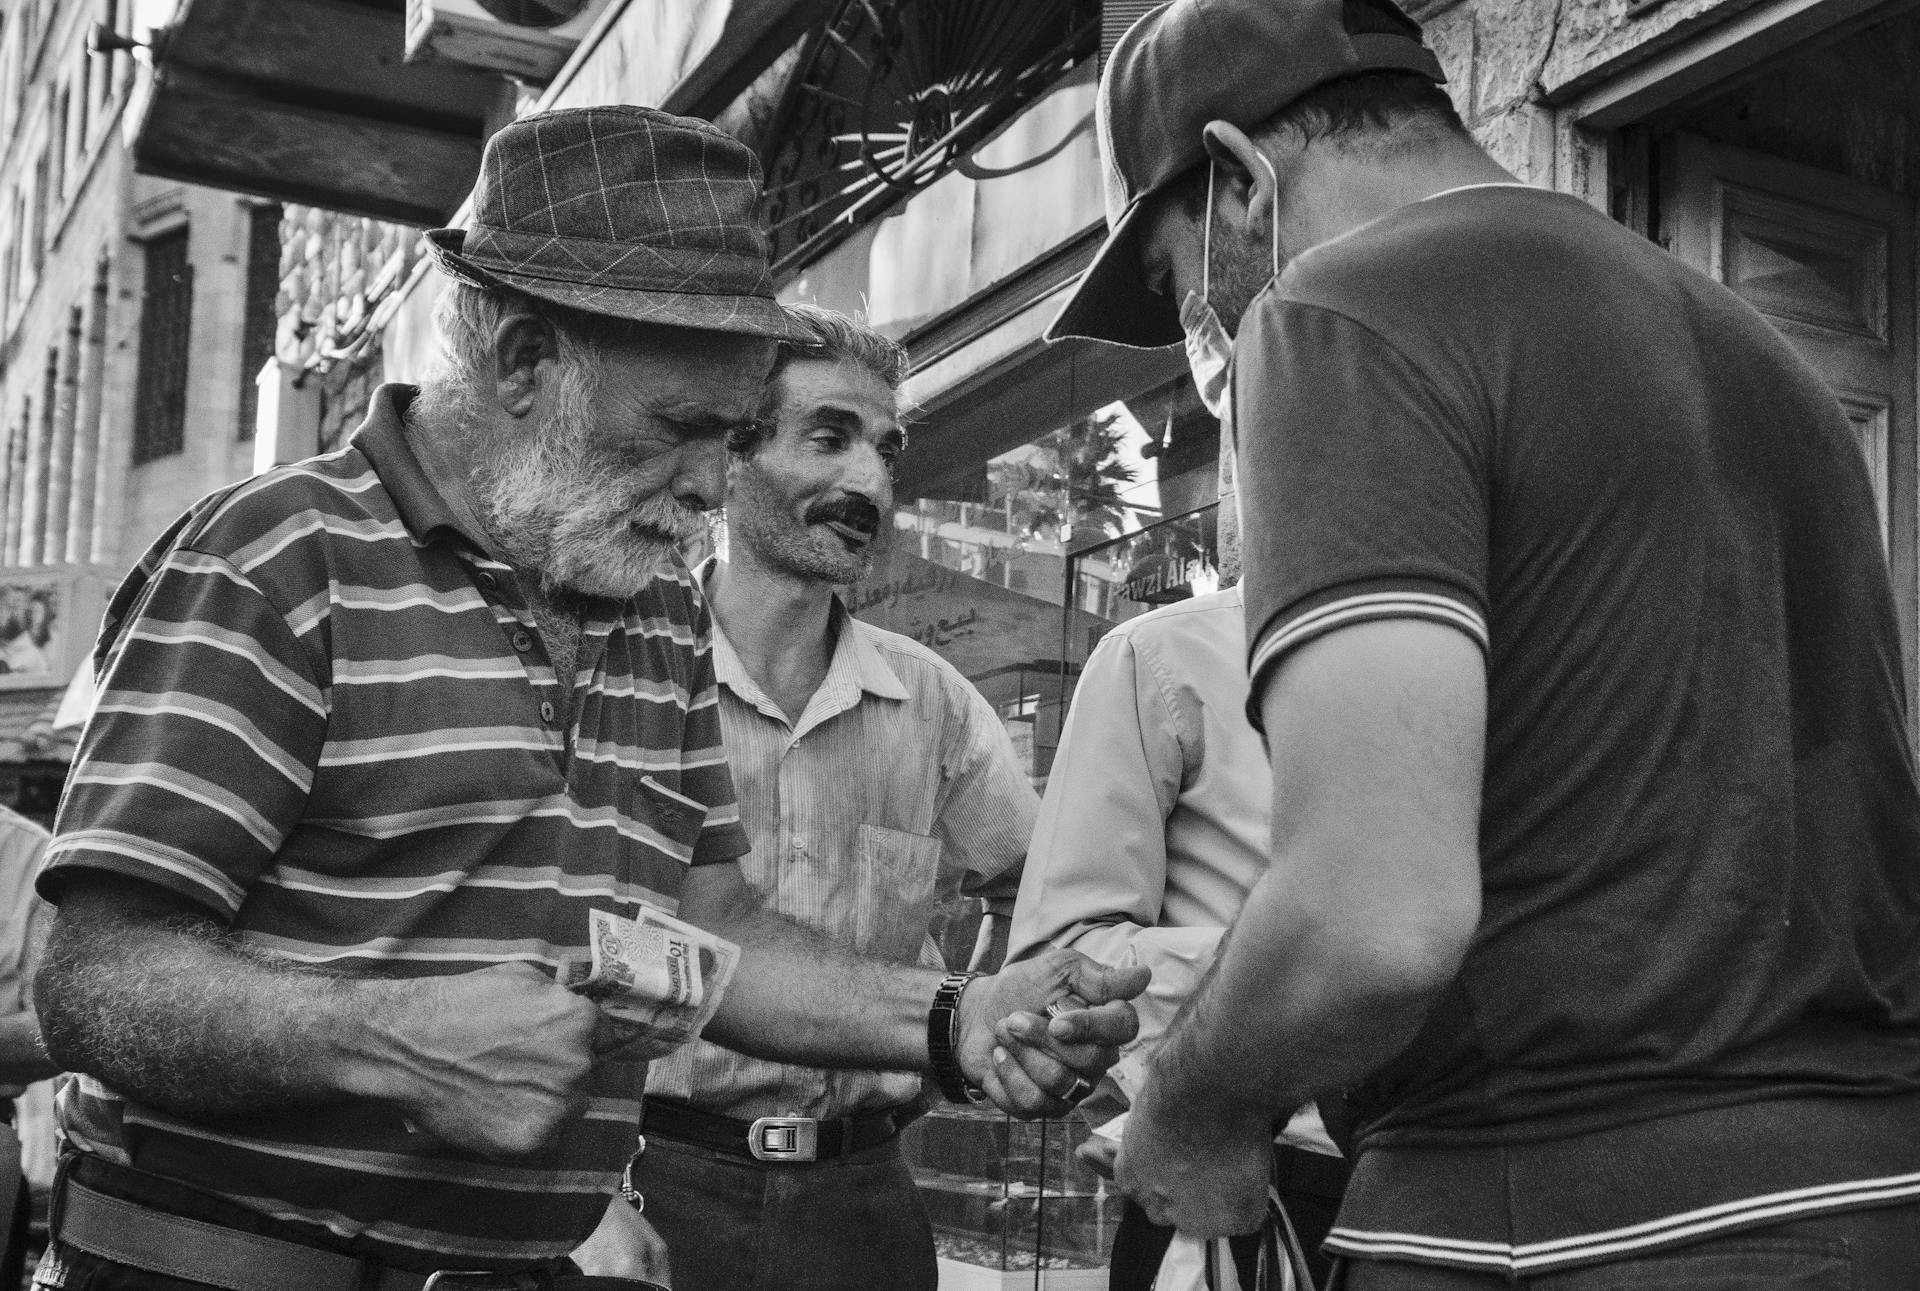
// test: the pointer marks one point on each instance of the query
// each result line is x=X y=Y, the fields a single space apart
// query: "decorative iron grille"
x=889 y=95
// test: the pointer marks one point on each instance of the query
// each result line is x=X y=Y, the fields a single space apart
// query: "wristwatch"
x=943 y=1038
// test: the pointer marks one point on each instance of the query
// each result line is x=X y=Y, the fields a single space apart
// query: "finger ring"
x=1078 y=1090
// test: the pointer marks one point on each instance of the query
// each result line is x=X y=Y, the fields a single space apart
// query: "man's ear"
x=520 y=345
x=1242 y=170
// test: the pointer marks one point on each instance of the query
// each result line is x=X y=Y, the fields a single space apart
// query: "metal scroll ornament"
x=890 y=95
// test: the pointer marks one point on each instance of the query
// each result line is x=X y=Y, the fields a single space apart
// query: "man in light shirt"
x=1153 y=829
x=875 y=784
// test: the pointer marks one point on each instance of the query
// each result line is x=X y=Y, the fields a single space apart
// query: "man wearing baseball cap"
x=382 y=732
x=1595 y=876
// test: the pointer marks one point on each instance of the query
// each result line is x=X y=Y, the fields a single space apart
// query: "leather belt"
x=797 y=1139
x=196 y=1251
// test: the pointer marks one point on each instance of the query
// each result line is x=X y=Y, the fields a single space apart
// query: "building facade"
x=932 y=165
x=134 y=314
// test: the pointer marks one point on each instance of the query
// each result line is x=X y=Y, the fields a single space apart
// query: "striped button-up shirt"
x=327 y=719
x=896 y=792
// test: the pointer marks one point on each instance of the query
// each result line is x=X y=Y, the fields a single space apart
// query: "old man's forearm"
x=145 y=993
x=22 y=1059
x=799 y=997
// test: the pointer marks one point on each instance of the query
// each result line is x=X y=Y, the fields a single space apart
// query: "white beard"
x=554 y=509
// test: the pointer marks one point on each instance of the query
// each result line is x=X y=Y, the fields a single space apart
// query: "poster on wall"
x=36 y=618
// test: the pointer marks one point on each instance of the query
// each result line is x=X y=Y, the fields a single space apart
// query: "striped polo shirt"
x=327 y=718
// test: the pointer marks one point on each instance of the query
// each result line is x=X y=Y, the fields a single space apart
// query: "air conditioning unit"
x=530 y=39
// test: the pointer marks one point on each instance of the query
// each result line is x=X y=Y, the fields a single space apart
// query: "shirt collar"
x=382 y=437
x=1491 y=183
x=855 y=667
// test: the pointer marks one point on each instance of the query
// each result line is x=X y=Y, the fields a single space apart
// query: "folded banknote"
x=659 y=979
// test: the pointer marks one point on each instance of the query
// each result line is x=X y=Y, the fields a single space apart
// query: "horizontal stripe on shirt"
x=1534 y=1208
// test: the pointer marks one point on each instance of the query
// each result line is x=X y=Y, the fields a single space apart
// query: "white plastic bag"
x=1195 y=1265
x=1192 y=1264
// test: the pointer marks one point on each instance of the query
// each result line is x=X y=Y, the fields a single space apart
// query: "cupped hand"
x=1195 y=1167
x=1031 y=1064
x=493 y=1061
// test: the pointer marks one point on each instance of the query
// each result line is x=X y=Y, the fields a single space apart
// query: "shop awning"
x=310 y=101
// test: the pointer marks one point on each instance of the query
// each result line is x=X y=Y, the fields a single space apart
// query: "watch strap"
x=943 y=1036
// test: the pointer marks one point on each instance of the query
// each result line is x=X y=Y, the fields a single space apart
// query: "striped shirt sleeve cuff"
x=1317 y=618
x=146 y=860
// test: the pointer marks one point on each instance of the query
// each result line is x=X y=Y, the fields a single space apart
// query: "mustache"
x=668 y=517
x=850 y=510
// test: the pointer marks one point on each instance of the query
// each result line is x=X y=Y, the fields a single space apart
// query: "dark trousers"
x=735 y=1224
x=1862 y=1250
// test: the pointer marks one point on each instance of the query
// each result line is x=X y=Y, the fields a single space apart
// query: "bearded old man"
x=378 y=731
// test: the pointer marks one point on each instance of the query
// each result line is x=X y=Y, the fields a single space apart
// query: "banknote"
x=658 y=978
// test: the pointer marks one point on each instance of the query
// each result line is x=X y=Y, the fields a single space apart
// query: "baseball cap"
x=1190 y=62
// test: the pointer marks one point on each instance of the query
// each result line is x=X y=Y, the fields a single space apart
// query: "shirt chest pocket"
x=673 y=820
x=894 y=882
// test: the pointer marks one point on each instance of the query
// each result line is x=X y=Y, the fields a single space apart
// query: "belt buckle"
x=784 y=1138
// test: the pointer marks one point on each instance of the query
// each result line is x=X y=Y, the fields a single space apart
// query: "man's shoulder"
x=920 y=669
x=1213 y=619
x=335 y=492
x=902 y=651
x=1440 y=254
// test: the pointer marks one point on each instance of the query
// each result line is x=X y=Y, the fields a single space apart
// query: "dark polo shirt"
x=1693 y=1001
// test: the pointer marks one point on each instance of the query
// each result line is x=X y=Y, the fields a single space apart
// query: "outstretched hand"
x=1032 y=1064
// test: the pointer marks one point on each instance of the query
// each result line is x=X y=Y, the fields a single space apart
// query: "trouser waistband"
x=195 y=1250
x=776 y=1139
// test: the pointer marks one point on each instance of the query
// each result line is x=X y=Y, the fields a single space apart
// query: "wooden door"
x=1829 y=261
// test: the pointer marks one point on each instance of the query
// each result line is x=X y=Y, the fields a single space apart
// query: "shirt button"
x=799 y=842
x=522 y=641
x=488 y=581
x=546 y=711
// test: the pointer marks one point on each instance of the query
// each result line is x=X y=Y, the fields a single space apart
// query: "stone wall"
x=1515 y=66
x=342 y=277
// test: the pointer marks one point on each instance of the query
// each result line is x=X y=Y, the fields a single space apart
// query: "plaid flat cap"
x=626 y=212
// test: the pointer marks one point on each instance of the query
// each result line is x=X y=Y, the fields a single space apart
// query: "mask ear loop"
x=1206 y=245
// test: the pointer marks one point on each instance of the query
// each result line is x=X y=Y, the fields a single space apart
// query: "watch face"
x=533 y=13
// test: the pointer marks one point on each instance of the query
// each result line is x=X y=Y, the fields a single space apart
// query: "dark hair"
x=836 y=338
x=1386 y=112
x=1404 y=104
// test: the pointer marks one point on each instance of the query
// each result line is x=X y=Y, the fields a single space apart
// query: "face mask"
x=1209 y=348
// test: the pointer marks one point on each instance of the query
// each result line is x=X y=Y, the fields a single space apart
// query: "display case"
x=1011 y=1205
